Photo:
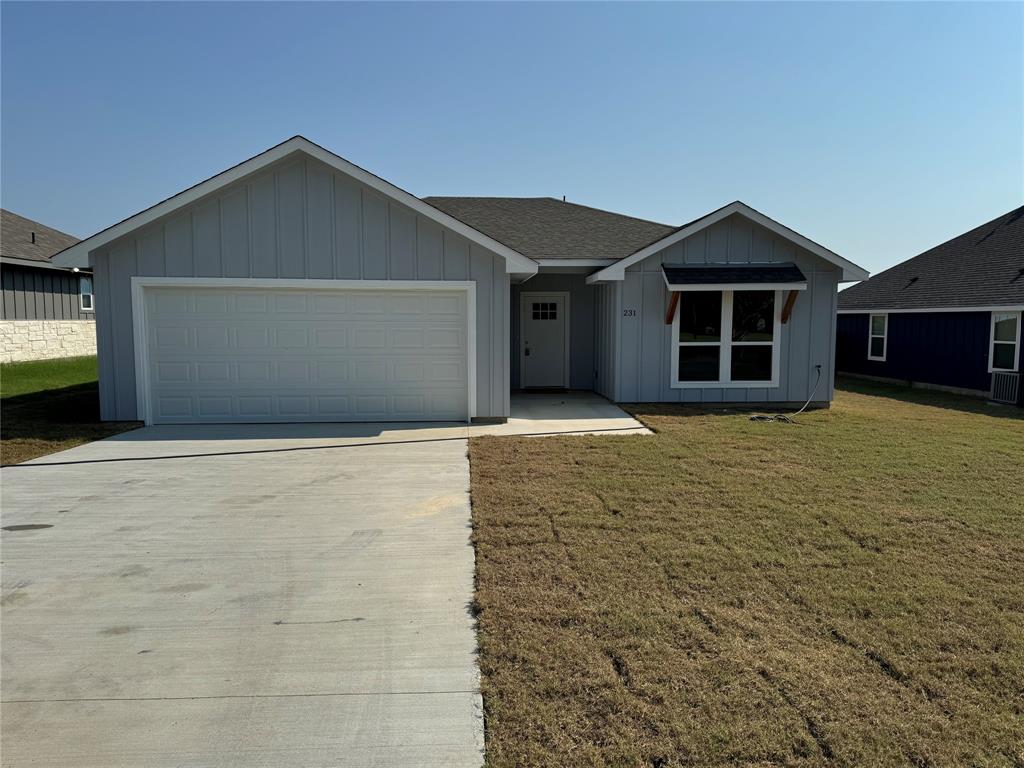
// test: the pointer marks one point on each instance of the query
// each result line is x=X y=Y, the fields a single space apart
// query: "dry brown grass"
x=848 y=591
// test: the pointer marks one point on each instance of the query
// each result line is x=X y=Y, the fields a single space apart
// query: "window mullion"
x=725 y=353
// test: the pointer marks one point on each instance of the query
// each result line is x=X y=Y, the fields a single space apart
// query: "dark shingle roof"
x=981 y=268
x=729 y=274
x=546 y=227
x=16 y=240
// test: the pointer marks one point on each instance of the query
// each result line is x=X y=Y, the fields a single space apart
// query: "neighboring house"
x=47 y=310
x=297 y=286
x=949 y=318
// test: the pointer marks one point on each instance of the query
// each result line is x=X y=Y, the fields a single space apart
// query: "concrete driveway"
x=262 y=596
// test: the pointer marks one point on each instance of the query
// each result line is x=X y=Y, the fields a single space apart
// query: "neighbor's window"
x=85 y=290
x=1005 y=351
x=878 y=329
x=727 y=338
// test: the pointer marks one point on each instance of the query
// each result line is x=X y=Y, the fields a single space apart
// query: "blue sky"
x=878 y=129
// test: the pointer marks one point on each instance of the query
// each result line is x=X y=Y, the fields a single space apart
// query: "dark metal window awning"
x=784 y=276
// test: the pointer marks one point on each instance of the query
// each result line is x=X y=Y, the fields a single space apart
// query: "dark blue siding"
x=947 y=348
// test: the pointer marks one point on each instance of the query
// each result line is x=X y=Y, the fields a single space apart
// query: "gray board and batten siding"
x=297 y=218
x=41 y=293
x=636 y=366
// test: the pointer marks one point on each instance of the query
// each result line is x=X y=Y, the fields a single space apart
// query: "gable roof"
x=980 y=268
x=547 y=228
x=24 y=241
x=77 y=255
x=617 y=271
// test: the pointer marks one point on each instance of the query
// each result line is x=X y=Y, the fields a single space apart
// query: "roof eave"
x=883 y=310
x=14 y=261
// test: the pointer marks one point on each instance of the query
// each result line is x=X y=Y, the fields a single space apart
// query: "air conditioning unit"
x=1005 y=387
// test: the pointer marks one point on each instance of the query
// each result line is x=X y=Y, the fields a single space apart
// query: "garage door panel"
x=291 y=303
x=332 y=371
x=226 y=354
x=331 y=337
x=212 y=371
x=170 y=337
x=169 y=407
x=258 y=406
x=330 y=303
x=210 y=304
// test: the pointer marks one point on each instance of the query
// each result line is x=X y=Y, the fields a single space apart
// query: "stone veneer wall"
x=46 y=339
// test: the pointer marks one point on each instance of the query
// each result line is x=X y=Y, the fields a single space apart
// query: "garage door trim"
x=143 y=390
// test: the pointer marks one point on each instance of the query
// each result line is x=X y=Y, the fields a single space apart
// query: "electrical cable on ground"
x=791 y=419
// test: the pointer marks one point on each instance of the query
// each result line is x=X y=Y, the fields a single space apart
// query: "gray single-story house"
x=46 y=310
x=297 y=286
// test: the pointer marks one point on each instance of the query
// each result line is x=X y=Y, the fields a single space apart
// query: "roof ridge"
x=613 y=213
x=548 y=197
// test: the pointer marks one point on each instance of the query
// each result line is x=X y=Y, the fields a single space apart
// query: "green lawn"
x=48 y=406
x=40 y=375
x=845 y=591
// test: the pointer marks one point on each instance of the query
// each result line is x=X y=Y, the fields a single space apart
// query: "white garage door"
x=218 y=354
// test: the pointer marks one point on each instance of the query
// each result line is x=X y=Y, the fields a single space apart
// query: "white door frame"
x=564 y=295
x=143 y=405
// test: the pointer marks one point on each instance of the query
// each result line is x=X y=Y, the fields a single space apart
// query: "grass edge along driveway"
x=50 y=405
x=846 y=591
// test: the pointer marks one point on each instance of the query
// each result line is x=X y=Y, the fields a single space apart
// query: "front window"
x=1005 y=351
x=85 y=291
x=878 y=330
x=700 y=336
x=727 y=338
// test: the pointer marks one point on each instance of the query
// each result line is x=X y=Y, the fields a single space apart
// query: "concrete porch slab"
x=568 y=413
x=563 y=413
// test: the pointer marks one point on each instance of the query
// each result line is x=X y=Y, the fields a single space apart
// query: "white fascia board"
x=618 y=271
x=1006 y=308
x=14 y=261
x=77 y=255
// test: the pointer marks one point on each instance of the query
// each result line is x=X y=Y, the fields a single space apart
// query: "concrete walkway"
x=251 y=595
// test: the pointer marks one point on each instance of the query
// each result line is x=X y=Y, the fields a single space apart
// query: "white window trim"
x=82 y=294
x=140 y=332
x=992 y=343
x=726 y=344
x=884 y=336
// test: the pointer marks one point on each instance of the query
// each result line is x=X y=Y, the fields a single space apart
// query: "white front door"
x=544 y=355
